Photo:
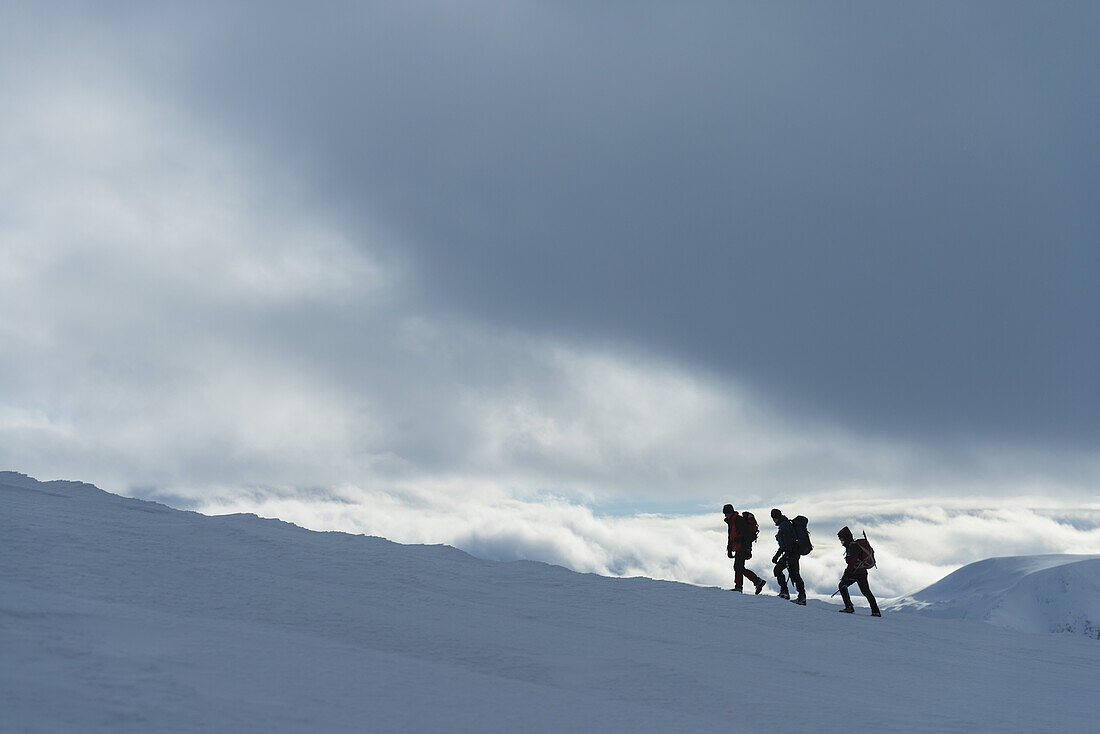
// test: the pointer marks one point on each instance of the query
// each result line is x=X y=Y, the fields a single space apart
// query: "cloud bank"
x=916 y=543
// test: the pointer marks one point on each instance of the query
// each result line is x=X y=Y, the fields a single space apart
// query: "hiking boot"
x=737 y=589
x=847 y=610
x=760 y=586
x=784 y=595
x=876 y=613
x=801 y=601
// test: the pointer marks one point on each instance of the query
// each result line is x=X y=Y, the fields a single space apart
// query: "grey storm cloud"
x=883 y=215
x=879 y=217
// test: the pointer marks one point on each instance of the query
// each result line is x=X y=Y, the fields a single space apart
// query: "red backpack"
x=868 y=552
x=751 y=526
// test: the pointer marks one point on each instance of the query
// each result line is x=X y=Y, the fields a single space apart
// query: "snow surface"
x=1051 y=593
x=118 y=615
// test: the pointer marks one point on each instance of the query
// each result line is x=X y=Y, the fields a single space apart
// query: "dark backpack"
x=802 y=542
x=868 y=553
x=752 y=530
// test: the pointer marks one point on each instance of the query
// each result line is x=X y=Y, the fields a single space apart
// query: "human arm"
x=786 y=537
x=854 y=555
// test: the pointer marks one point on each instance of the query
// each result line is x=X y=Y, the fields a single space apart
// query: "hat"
x=844 y=533
x=727 y=509
x=776 y=513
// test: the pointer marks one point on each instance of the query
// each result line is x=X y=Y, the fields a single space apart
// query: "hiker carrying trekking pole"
x=859 y=557
x=742 y=533
x=787 y=557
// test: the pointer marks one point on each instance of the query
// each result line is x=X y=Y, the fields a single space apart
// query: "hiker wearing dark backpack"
x=787 y=558
x=858 y=558
x=742 y=532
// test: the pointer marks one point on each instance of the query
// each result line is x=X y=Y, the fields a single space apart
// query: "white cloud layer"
x=916 y=543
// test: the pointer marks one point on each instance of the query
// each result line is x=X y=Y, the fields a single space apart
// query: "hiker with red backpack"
x=743 y=531
x=859 y=557
x=791 y=549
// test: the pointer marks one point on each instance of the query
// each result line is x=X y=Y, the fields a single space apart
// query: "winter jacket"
x=736 y=532
x=785 y=536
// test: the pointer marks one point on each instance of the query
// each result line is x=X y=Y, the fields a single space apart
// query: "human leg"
x=861 y=580
x=780 y=578
x=845 y=582
x=741 y=557
x=796 y=577
x=738 y=570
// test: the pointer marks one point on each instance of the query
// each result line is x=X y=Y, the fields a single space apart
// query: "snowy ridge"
x=1050 y=593
x=118 y=615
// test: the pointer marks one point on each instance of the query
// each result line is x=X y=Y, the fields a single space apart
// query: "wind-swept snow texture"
x=1053 y=593
x=118 y=615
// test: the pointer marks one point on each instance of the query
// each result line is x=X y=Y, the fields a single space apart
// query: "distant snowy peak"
x=57 y=488
x=1052 y=593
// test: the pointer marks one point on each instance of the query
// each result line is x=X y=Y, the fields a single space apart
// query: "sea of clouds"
x=917 y=542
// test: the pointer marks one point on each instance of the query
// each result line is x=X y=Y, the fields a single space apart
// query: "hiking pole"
x=840 y=589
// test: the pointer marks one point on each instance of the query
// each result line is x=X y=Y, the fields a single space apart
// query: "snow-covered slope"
x=1052 y=593
x=118 y=615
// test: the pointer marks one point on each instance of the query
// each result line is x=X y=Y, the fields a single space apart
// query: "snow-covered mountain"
x=118 y=615
x=1051 y=593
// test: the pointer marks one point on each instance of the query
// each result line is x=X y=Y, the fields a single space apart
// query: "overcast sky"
x=431 y=259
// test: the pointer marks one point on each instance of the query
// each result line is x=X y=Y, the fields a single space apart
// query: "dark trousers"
x=739 y=570
x=859 y=578
x=789 y=561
